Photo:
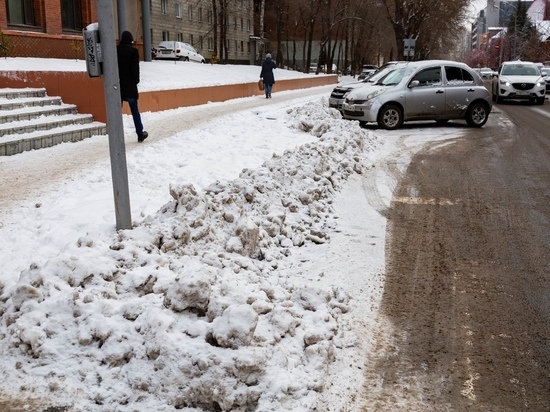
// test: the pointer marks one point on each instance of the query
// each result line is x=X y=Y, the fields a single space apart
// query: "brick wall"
x=39 y=45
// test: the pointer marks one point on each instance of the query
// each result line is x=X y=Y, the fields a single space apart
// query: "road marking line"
x=544 y=113
x=424 y=201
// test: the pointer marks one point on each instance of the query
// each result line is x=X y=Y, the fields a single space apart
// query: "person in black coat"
x=128 y=73
x=267 y=74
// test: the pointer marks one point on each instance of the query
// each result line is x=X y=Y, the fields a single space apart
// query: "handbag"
x=261 y=85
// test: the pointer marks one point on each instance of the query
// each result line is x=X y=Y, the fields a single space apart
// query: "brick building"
x=53 y=28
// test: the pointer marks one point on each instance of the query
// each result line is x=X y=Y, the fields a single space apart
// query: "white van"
x=176 y=50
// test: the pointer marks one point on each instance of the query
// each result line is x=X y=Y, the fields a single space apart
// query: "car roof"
x=518 y=62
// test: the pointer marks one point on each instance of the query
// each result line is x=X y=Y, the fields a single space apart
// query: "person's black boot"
x=143 y=137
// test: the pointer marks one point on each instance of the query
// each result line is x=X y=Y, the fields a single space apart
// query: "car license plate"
x=332 y=101
x=166 y=51
x=522 y=93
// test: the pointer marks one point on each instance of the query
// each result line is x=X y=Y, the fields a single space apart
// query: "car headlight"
x=541 y=83
x=505 y=82
x=375 y=93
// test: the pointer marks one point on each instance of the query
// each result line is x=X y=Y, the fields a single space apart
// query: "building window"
x=200 y=14
x=248 y=25
x=71 y=15
x=21 y=12
x=163 y=6
x=235 y=23
x=190 y=12
x=210 y=43
x=165 y=36
x=179 y=37
x=201 y=45
x=191 y=40
x=209 y=17
x=242 y=46
x=178 y=10
x=242 y=24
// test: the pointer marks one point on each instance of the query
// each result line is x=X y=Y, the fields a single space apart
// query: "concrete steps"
x=29 y=120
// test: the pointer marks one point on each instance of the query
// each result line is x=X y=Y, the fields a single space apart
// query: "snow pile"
x=196 y=307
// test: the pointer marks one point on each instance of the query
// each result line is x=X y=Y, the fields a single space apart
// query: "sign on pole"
x=408 y=47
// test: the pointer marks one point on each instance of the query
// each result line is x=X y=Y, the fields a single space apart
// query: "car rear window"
x=458 y=76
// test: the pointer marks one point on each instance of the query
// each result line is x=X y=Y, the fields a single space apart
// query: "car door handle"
x=439 y=91
x=471 y=91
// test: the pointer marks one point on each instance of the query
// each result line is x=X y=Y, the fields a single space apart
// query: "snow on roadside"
x=196 y=307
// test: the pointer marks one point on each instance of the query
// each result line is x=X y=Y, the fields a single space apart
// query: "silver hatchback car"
x=437 y=90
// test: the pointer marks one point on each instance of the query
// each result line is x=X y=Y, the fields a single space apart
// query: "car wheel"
x=477 y=114
x=390 y=117
x=187 y=59
x=540 y=100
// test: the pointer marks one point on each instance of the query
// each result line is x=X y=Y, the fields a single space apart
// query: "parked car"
x=338 y=94
x=176 y=50
x=545 y=73
x=485 y=73
x=437 y=90
x=323 y=68
x=366 y=71
x=518 y=80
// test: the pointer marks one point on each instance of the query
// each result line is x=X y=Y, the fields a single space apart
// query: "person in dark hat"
x=128 y=72
x=267 y=74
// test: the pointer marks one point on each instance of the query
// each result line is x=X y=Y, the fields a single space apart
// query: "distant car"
x=438 y=90
x=485 y=72
x=518 y=80
x=322 y=69
x=366 y=71
x=338 y=94
x=545 y=72
x=176 y=50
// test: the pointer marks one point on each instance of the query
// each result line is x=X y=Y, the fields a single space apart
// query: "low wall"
x=87 y=93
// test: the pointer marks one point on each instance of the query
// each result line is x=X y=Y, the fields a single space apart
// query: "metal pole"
x=121 y=14
x=115 y=129
x=146 y=30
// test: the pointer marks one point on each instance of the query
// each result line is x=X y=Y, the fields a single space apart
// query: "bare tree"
x=426 y=21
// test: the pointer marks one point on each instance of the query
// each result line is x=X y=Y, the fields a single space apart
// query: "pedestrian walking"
x=128 y=73
x=267 y=74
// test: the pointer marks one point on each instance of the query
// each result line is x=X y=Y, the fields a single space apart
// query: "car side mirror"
x=544 y=74
x=414 y=83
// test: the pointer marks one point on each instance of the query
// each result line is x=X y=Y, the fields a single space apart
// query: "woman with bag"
x=267 y=75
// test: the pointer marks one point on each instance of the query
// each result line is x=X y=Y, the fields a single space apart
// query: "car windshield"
x=520 y=70
x=376 y=76
x=393 y=78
